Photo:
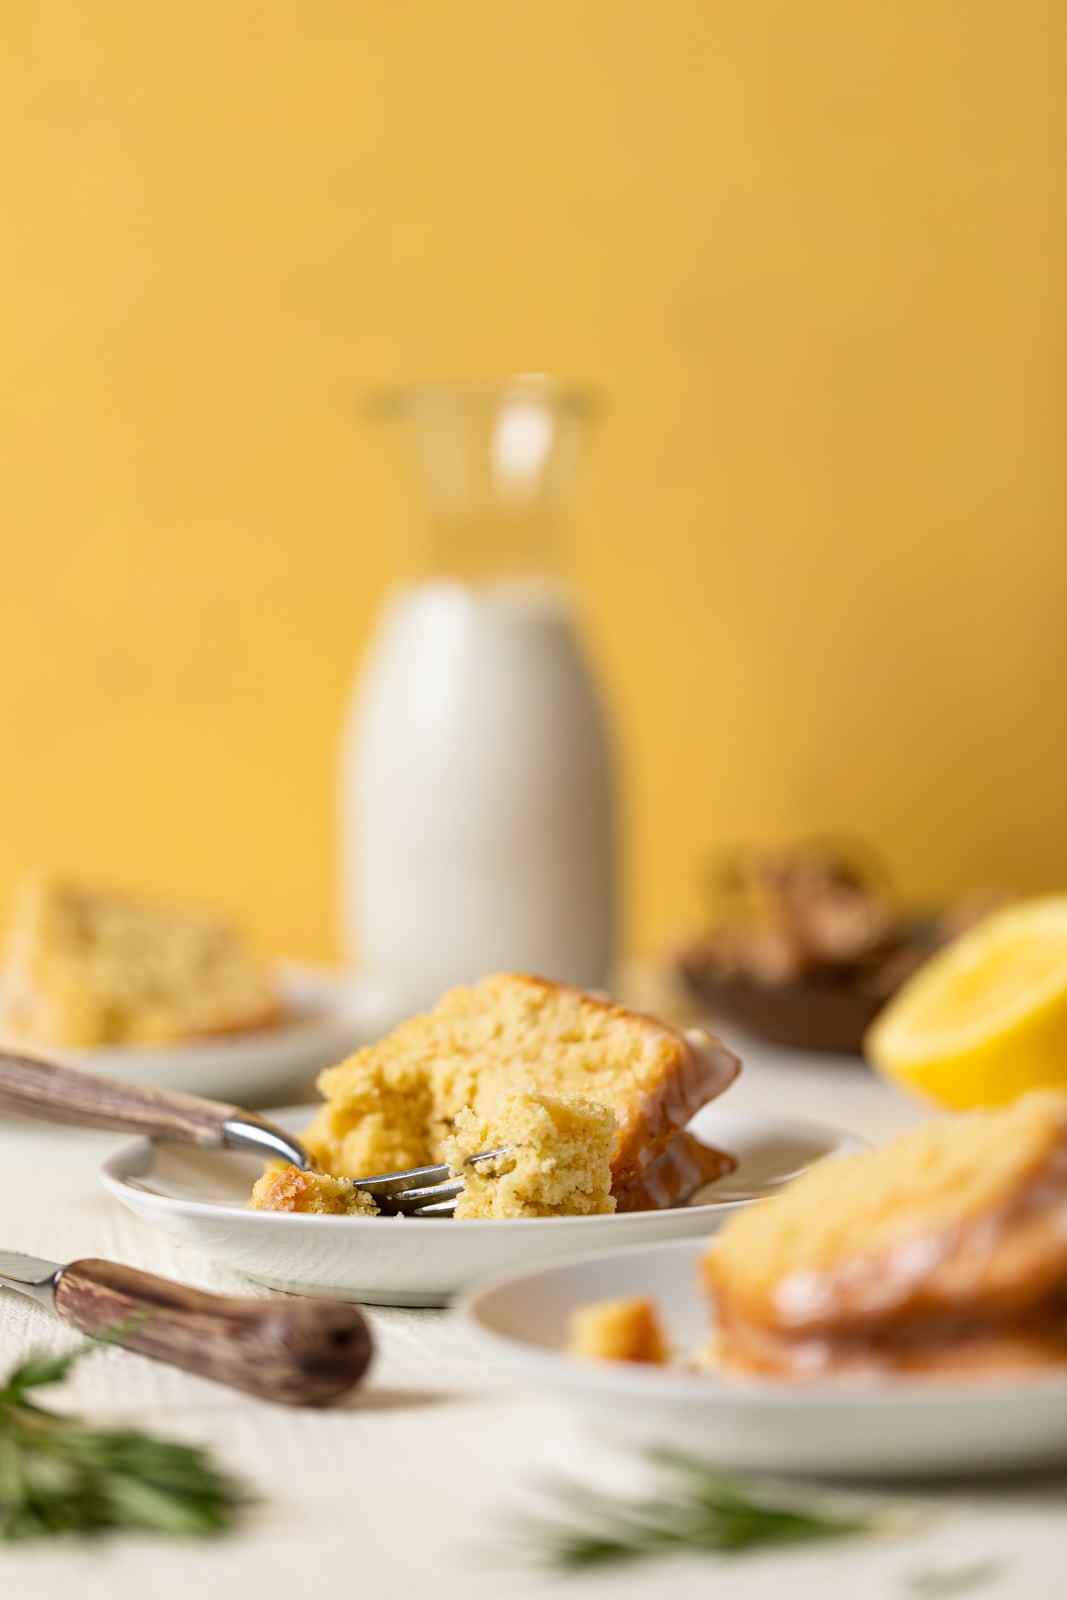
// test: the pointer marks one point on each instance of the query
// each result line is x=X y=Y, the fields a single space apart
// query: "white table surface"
x=405 y=1490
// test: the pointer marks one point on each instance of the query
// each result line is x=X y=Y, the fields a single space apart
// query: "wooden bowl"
x=830 y=1015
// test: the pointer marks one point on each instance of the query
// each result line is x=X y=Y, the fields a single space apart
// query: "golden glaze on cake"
x=674 y=1177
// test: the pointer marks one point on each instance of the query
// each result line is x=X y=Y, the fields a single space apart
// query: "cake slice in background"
x=85 y=966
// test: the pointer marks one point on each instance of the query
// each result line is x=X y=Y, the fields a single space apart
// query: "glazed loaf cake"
x=945 y=1250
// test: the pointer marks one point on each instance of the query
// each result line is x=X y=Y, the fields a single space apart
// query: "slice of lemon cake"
x=394 y=1103
x=946 y=1249
x=556 y=1160
x=86 y=967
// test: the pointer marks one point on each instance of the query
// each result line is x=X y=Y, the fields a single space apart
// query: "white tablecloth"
x=406 y=1490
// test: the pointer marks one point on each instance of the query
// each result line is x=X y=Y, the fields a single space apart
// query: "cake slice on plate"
x=84 y=966
x=397 y=1103
x=944 y=1251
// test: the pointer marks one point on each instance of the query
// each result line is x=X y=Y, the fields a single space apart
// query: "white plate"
x=888 y=1427
x=331 y=1013
x=199 y=1197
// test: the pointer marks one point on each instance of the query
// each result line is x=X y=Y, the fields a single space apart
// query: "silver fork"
x=420 y=1191
x=51 y=1093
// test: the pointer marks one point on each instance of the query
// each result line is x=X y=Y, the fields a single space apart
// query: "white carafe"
x=476 y=792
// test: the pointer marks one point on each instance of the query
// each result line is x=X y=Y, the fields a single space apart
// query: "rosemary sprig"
x=698 y=1508
x=58 y=1475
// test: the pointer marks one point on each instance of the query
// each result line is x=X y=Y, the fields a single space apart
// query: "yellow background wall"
x=814 y=255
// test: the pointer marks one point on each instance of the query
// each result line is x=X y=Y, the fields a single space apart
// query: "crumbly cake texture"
x=290 y=1189
x=557 y=1160
x=947 y=1247
x=379 y=1116
x=617 y=1330
x=393 y=1104
x=86 y=967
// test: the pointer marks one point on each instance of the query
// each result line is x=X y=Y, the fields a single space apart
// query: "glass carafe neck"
x=493 y=467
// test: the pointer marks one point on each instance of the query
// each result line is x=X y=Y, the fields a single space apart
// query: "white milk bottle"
x=476 y=792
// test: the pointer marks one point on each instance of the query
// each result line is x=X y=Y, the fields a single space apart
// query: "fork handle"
x=298 y=1350
x=52 y=1093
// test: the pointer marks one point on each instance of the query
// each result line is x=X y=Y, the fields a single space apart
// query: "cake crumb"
x=617 y=1330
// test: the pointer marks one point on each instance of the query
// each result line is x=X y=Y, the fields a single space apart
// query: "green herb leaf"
x=699 y=1508
x=58 y=1475
x=38 y=1371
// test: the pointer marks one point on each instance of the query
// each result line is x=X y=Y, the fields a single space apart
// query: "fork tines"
x=420 y=1191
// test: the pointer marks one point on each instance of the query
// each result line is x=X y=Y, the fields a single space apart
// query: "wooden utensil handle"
x=60 y=1094
x=299 y=1351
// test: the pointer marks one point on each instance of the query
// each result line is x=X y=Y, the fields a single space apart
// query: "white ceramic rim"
x=647 y=1382
x=125 y=1164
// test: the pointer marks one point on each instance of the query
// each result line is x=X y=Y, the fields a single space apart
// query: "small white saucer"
x=330 y=1013
x=890 y=1427
x=200 y=1198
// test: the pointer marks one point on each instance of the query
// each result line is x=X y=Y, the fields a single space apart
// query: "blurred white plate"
x=331 y=1013
x=199 y=1197
x=888 y=1427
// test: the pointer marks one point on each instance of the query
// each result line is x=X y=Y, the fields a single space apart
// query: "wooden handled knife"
x=298 y=1350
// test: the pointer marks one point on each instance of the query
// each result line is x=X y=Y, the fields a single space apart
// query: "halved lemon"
x=985 y=1019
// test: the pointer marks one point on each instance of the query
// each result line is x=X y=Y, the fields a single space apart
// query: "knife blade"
x=23 y=1269
x=298 y=1350
x=30 y=1275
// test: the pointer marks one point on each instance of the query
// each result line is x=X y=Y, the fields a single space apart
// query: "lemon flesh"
x=985 y=1019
